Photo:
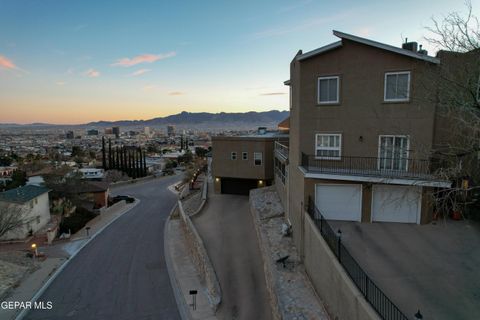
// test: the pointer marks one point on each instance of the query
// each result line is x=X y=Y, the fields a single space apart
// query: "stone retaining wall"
x=201 y=259
x=113 y=185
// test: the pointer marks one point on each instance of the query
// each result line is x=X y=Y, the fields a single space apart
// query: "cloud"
x=144 y=58
x=364 y=31
x=80 y=27
x=139 y=72
x=176 y=93
x=6 y=63
x=272 y=94
x=60 y=83
x=295 y=6
x=92 y=73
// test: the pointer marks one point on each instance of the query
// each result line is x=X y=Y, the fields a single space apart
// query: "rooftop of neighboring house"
x=261 y=133
x=23 y=194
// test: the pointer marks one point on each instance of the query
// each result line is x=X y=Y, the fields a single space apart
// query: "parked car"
x=128 y=199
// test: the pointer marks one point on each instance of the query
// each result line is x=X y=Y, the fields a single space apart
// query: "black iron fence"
x=369 y=166
x=373 y=294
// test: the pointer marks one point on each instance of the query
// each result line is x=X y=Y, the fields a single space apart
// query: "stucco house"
x=30 y=201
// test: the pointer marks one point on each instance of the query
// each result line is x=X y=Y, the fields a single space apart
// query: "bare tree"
x=457 y=81
x=12 y=217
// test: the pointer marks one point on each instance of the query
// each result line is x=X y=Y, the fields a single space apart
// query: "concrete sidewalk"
x=183 y=275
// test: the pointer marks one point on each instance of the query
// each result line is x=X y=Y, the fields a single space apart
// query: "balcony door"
x=393 y=152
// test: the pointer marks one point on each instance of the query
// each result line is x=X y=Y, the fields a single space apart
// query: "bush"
x=76 y=221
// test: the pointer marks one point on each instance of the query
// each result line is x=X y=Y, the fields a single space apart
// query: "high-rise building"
x=171 y=130
x=108 y=131
x=116 y=131
x=70 y=135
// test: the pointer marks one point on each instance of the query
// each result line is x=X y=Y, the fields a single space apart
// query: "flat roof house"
x=241 y=163
x=32 y=203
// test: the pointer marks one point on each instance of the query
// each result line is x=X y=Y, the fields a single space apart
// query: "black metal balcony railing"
x=369 y=166
x=385 y=308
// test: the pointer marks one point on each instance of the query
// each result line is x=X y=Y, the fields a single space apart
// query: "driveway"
x=121 y=274
x=227 y=230
x=434 y=268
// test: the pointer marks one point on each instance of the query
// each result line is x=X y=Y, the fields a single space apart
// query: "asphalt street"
x=121 y=274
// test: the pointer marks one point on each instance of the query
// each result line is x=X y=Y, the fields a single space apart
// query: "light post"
x=35 y=252
x=418 y=315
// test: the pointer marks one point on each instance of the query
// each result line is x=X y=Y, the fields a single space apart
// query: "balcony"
x=281 y=150
x=369 y=167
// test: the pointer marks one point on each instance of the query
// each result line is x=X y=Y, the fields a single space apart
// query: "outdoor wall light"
x=360 y=138
x=217 y=179
x=260 y=181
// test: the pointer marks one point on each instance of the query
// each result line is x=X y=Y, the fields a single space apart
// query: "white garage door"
x=339 y=202
x=396 y=203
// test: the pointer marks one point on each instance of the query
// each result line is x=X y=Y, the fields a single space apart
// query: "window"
x=258 y=158
x=233 y=156
x=328 y=90
x=397 y=86
x=328 y=146
x=393 y=152
x=244 y=155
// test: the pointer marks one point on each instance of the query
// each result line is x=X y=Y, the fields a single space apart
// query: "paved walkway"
x=184 y=275
x=226 y=227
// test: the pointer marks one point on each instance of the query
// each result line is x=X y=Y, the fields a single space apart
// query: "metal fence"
x=369 y=166
x=373 y=294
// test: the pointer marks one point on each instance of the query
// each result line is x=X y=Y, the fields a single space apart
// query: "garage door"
x=396 y=203
x=238 y=186
x=339 y=202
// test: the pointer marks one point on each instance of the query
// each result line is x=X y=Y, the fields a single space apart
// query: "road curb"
x=37 y=295
x=179 y=298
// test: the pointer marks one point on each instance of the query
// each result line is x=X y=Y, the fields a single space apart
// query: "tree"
x=200 y=152
x=457 y=80
x=12 y=217
x=19 y=178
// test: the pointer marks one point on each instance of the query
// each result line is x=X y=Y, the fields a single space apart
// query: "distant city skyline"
x=68 y=62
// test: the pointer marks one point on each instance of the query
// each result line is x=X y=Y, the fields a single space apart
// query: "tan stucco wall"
x=341 y=297
x=362 y=111
x=223 y=166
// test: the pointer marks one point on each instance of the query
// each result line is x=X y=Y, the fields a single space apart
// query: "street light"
x=34 y=248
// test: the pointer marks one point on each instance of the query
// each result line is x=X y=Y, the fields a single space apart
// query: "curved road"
x=121 y=274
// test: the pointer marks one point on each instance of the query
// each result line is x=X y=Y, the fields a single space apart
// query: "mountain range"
x=200 y=120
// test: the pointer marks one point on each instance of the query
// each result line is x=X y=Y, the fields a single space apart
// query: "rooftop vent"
x=262 y=130
x=411 y=46
x=422 y=51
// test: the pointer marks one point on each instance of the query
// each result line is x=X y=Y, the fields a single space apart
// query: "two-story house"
x=32 y=203
x=242 y=163
x=362 y=126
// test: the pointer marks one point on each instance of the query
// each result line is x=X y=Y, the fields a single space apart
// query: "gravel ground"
x=13 y=267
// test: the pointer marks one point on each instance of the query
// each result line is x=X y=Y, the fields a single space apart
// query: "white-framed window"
x=233 y=156
x=244 y=155
x=328 y=146
x=393 y=152
x=258 y=158
x=397 y=86
x=328 y=90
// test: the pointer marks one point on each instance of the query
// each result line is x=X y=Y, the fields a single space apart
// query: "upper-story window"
x=328 y=146
x=233 y=156
x=258 y=158
x=397 y=86
x=328 y=90
x=244 y=155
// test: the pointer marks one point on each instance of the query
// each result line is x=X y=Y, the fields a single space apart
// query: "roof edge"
x=387 y=47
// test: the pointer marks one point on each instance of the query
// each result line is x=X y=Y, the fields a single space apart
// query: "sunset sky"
x=78 y=61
